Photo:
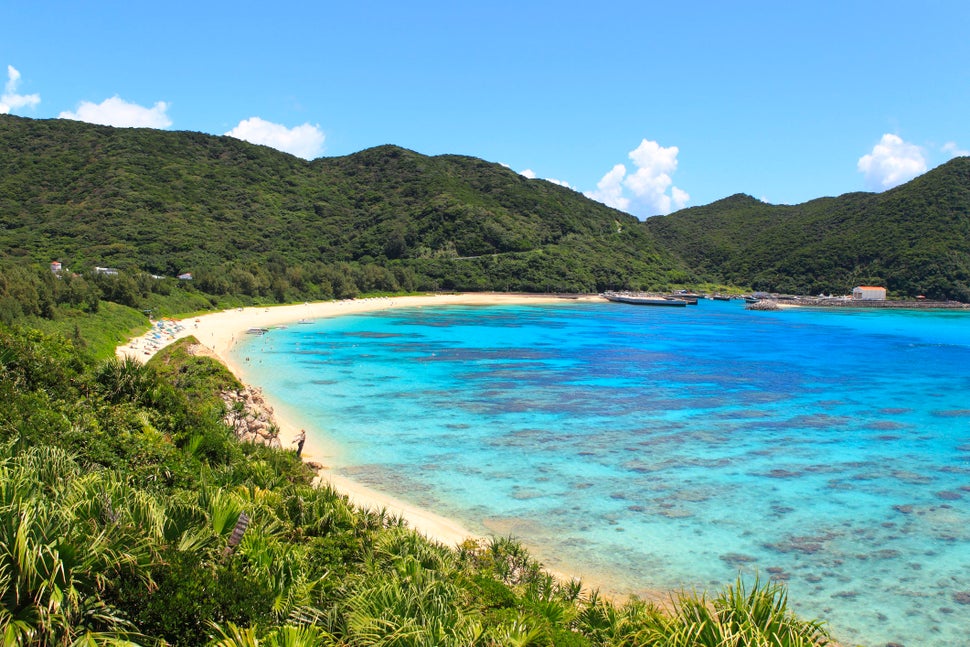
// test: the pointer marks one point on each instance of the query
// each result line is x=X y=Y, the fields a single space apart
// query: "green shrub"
x=189 y=594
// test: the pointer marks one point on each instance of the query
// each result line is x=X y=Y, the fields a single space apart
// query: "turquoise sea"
x=669 y=448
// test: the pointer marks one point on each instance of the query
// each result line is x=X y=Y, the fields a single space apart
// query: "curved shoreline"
x=220 y=331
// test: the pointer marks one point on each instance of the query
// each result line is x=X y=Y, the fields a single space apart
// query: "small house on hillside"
x=868 y=293
x=56 y=266
x=187 y=276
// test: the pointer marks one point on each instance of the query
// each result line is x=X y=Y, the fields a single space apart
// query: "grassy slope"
x=99 y=333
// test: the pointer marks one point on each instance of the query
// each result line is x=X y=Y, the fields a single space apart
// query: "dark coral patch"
x=953 y=413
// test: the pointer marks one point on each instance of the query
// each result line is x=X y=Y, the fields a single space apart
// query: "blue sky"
x=645 y=106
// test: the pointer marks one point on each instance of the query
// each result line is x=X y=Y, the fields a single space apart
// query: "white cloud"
x=609 y=190
x=679 y=198
x=650 y=185
x=529 y=173
x=10 y=100
x=304 y=141
x=951 y=149
x=559 y=182
x=891 y=162
x=118 y=112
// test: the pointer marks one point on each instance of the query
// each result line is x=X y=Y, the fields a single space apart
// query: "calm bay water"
x=669 y=447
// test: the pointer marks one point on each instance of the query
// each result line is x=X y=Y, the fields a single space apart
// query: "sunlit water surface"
x=669 y=447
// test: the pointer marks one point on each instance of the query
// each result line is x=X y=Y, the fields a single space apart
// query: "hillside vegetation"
x=251 y=222
x=246 y=219
x=913 y=239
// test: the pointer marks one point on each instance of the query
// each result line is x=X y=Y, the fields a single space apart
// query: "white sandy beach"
x=220 y=331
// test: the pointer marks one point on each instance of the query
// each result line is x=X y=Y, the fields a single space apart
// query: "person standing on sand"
x=298 y=441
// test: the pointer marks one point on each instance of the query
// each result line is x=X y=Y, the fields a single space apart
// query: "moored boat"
x=691 y=299
x=644 y=300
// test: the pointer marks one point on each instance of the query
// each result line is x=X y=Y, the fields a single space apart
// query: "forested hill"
x=249 y=220
x=242 y=217
x=913 y=239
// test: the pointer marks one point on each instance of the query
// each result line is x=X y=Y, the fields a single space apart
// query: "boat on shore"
x=644 y=300
x=691 y=299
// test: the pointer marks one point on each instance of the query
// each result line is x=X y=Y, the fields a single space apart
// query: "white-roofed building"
x=868 y=293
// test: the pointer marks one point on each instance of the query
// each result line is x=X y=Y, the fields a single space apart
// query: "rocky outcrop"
x=763 y=304
x=250 y=417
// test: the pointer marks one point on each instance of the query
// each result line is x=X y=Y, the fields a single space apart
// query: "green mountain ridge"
x=247 y=219
x=169 y=202
x=913 y=239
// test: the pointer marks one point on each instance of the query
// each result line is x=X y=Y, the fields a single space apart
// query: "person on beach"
x=300 y=439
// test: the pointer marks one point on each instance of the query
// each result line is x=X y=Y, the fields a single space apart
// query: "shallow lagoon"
x=669 y=448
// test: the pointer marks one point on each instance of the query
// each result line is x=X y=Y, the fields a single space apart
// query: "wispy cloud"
x=10 y=100
x=304 y=141
x=649 y=189
x=891 y=163
x=118 y=112
x=951 y=149
x=529 y=173
x=558 y=182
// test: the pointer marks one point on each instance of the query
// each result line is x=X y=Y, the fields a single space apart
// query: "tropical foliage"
x=130 y=515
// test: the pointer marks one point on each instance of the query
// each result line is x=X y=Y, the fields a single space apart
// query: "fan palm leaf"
x=738 y=617
x=58 y=550
x=285 y=636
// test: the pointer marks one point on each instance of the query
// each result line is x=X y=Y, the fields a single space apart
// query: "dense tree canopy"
x=250 y=222
x=914 y=239
x=246 y=219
